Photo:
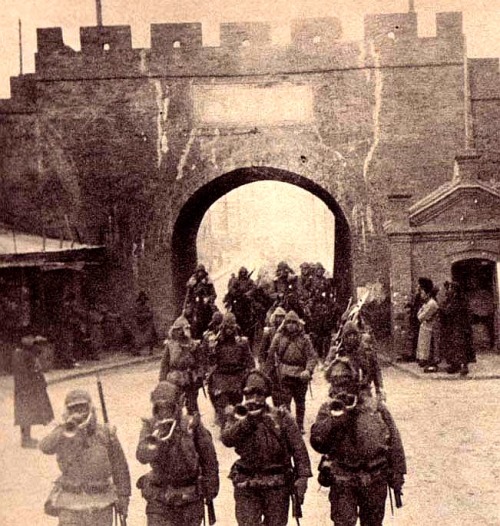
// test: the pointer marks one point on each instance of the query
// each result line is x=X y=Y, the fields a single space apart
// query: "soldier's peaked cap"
x=77 y=397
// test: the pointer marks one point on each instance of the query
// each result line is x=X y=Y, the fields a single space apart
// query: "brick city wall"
x=119 y=139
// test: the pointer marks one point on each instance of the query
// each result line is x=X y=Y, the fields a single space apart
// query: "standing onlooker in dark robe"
x=199 y=304
x=145 y=333
x=95 y=331
x=427 y=316
x=412 y=307
x=66 y=333
x=456 y=333
x=31 y=401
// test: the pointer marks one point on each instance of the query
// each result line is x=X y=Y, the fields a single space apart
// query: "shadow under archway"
x=184 y=253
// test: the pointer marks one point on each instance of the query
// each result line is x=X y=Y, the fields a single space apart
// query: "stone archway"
x=184 y=254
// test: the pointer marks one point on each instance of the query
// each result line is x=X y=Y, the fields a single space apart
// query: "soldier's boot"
x=300 y=417
x=26 y=440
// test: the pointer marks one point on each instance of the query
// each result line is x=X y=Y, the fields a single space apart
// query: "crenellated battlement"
x=247 y=48
x=484 y=78
x=394 y=25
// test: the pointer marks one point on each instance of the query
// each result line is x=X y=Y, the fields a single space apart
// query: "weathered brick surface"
x=109 y=137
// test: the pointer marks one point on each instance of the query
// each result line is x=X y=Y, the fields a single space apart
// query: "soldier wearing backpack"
x=274 y=464
x=290 y=363
x=182 y=363
x=182 y=456
x=94 y=472
x=361 y=447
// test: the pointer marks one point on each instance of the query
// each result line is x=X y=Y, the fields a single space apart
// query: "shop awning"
x=29 y=250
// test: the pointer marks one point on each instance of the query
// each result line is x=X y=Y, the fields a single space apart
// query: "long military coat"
x=31 y=402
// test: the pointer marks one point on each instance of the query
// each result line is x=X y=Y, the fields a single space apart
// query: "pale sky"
x=481 y=20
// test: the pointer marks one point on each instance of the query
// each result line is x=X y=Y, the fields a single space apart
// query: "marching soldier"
x=95 y=475
x=290 y=363
x=208 y=344
x=230 y=361
x=286 y=288
x=363 y=357
x=199 y=303
x=182 y=362
x=182 y=456
x=275 y=322
x=273 y=465
x=211 y=335
x=239 y=301
x=321 y=310
x=362 y=450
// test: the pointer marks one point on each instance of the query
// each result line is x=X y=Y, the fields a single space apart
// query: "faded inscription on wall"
x=236 y=105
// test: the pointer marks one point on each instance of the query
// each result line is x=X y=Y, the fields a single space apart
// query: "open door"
x=479 y=280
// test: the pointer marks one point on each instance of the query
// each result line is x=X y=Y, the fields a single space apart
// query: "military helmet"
x=217 y=318
x=180 y=323
x=257 y=380
x=349 y=328
x=342 y=374
x=165 y=392
x=77 y=397
x=229 y=319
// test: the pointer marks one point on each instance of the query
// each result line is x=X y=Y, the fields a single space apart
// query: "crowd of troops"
x=310 y=295
x=362 y=453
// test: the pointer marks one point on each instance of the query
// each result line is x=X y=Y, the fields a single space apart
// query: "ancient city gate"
x=184 y=255
x=131 y=146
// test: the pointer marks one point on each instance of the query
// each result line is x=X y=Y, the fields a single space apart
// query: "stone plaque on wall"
x=242 y=106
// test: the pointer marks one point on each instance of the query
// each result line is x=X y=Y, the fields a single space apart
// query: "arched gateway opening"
x=184 y=252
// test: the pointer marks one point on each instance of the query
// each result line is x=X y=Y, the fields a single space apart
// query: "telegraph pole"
x=98 y=8
x=20 y=33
